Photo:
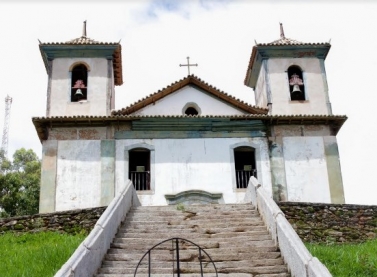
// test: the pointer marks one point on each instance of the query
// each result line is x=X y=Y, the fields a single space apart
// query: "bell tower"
x=82 y=74
x=289 y=77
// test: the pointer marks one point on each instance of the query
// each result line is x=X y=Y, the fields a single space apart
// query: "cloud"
x=153 y=10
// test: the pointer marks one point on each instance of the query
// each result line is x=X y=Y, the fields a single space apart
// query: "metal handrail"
x=175 y=240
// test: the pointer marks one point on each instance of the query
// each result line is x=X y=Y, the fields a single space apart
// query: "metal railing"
x=175 y=250
x=141 y=180
x=243 y=176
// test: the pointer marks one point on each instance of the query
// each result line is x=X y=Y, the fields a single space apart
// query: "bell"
x=78 y=94
x=296 y=93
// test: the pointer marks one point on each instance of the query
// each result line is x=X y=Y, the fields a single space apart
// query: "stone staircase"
x=234 y=236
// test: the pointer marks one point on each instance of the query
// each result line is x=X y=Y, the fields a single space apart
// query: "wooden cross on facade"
x=188 y=65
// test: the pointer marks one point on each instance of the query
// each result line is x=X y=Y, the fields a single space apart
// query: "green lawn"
x=39 y=254
x=348 y=260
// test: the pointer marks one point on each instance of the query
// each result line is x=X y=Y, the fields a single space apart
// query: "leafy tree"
x=19 y=183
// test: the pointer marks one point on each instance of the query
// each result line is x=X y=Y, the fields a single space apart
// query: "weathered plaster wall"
x=315 y=90
x=261 y=89
x=186 y=164
x=305 y=164
x=306 y=169
x=78 y=181
x=77 y=174
x=174 y=104
x=48 y=176
x=78 y=133
x=98 y=88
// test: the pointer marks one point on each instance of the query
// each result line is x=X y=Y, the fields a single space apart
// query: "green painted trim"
x=334 y=170
x=47 y=200
x=107 y=171
x=184 y=134
x=80 y=50
x=196 y=124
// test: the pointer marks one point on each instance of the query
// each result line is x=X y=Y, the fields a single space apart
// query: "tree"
x=19 y=183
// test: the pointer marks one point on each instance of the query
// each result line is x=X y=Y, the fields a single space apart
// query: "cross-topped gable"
x=190 y=92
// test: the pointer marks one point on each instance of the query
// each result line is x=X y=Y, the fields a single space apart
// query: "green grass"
x=38 y=254
x=348 y=260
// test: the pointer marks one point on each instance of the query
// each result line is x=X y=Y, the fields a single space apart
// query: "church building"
x=189 y=142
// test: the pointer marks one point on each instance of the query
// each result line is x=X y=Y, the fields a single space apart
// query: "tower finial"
x=84 y=29
x=281 y=31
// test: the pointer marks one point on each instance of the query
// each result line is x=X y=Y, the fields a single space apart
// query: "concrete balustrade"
x=88 y=256
x=299 y=260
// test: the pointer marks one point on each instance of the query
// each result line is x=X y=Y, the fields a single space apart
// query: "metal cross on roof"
x=188 y=65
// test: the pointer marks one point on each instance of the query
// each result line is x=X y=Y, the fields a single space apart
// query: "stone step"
x=234 y=236
x=202 y=220
x=222 y=207
x=157 y=262
x=191 y=228
x=150 y=242
x=189 y=224
x=188 y=275
x=211 y=251
x=192 y=213
x=194 y=234
x=228 y=270
x=232 y=255
x=197 y=275
x=204 y=245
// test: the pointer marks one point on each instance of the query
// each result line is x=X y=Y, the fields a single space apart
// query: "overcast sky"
x=157 y=36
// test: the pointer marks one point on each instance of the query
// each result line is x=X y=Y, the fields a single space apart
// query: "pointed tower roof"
x=91 y=47
x=283 y=40
x=83 y=39
x=282 y=48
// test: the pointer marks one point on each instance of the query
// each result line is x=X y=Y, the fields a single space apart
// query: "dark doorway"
x=139 y=168
x=245 y=166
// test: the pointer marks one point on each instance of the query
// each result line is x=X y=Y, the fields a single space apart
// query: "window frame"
x=74 y=78
x=295 y=69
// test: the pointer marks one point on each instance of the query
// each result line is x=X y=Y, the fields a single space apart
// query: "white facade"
x=180 y=165
x=177 y=165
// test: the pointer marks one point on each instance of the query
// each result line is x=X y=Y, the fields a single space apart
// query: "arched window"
x=79 y=83
x=245 y=166
x=191 y=111
x=139 y=168
x=191 y=108
x=296 y=83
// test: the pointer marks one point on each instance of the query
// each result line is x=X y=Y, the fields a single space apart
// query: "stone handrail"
x=299 y=260
x=88 y=256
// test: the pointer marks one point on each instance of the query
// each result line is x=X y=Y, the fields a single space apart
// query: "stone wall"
x=74 y=221
x=331 y=223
